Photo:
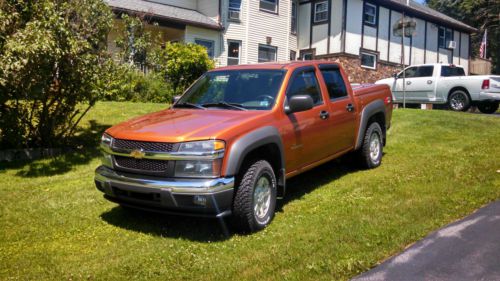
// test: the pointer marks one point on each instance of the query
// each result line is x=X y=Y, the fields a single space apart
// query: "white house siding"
x=464 y=52
x=336 y=26
x=263 y=25
x=395 y=43
x=383 y=33
x=188 y=4
x=432 y=43
x=456 y=54
x=193 y=33
x=234 y=30
x=418 y=43
x=304 y=24
x=354 y=19
x=370 y=38
x=320 y=39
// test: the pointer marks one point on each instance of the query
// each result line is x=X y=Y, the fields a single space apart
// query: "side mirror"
x=175 y=99
x=395 y=75
x=299 y=103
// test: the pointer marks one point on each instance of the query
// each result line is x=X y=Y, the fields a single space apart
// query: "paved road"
x=468 y=249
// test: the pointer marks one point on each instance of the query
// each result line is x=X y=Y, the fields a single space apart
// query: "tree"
x=52 y=59
x=481 y=14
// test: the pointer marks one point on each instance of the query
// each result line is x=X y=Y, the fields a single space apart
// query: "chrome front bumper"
x=198 y=197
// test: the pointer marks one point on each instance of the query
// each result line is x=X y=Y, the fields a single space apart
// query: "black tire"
x=488 y=107
x=245 y=216
x=371 y=157
x=459 y=101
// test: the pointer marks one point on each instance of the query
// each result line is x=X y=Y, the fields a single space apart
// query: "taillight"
x=486 y=84
x=387 y=100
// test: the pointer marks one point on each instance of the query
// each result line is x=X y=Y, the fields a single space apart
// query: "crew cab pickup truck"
x=446 y=83
x=229 y=144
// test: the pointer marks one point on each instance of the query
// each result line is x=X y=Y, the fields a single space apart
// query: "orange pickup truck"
x=228 y=145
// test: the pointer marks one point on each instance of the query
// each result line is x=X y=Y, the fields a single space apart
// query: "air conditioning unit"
x=452 y=44
x=234 y=15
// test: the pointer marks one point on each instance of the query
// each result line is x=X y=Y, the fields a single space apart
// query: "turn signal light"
x=387 y=100
x=486 y=84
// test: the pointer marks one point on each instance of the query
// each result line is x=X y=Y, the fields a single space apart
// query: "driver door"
x=304 y=133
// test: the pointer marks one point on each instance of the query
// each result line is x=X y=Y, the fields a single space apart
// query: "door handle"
x=324 y=115
x=408 y=82
x=429 y=82
x=350 y=107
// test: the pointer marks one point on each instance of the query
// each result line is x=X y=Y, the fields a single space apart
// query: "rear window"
x=447 y=71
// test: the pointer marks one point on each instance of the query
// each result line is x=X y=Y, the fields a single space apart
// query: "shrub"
x=129 y=84
x=181 y=64
x=52 y=60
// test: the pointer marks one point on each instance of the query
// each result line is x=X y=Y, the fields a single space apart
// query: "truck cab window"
x=304 y=82
x=334 y=83
x=447 y=71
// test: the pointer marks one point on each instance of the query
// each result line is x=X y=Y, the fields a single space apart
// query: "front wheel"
x=459 y=101
x=370 y=154
x=488 y=107
x=255 y=199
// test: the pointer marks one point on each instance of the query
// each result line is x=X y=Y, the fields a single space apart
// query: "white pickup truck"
x=445 y=83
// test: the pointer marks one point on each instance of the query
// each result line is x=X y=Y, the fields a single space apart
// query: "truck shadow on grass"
x=212 y=230
x=79 y=150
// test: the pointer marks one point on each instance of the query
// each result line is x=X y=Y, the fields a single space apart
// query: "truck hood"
x=387 y=81
x=177 y=125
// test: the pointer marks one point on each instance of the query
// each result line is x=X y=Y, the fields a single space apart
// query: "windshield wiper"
x=225 y=104
x=188 y=104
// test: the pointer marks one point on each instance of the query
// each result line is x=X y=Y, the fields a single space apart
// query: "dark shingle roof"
x=165 y=12
x=427 y=13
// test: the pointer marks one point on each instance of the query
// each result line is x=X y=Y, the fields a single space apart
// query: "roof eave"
x=423 y=15
x=156 y=17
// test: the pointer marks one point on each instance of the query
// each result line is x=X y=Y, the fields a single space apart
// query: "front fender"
x=252 y=140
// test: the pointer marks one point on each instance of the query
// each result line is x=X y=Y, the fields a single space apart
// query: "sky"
x=420 y=1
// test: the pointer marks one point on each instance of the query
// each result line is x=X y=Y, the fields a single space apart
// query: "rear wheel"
x=255 y=199
x=488 y=107
x=459 y=101
x=370 y=154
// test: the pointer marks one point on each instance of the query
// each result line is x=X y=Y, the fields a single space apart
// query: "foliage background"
x=52 y=58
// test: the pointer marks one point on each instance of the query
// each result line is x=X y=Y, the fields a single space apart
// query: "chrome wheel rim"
x=374 y=147
x=457 y=102
x=262 y=197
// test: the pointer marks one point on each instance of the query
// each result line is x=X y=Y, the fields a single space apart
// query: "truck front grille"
x=144 y=145
x=147 y=165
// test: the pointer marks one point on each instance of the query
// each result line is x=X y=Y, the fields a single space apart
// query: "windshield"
x=234 y=89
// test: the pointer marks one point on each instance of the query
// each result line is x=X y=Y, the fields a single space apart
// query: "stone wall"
x=358 y=74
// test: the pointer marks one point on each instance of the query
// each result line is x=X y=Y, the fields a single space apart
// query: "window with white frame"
x=370 y=14
x=267 y=53
x=321 y=11
x=294 y=18
x=368 y=60
x=208 y=44
x=234 y=9
x=445 y=35
x=269 y=5
x=233 y=52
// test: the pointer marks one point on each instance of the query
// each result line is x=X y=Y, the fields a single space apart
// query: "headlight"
x=198 y=168
x=202 y=168
x=106 y=139
x=202 y=146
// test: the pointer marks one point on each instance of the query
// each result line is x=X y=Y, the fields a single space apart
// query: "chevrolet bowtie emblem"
x=138 y=153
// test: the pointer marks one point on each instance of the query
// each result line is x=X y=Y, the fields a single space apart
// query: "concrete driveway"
x=468 y=249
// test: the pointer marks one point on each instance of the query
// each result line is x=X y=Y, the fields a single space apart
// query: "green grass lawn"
x=335 y=222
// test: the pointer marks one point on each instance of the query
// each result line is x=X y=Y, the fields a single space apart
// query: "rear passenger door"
x=342 y=110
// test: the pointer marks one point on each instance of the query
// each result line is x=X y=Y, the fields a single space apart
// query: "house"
x=357 y=33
